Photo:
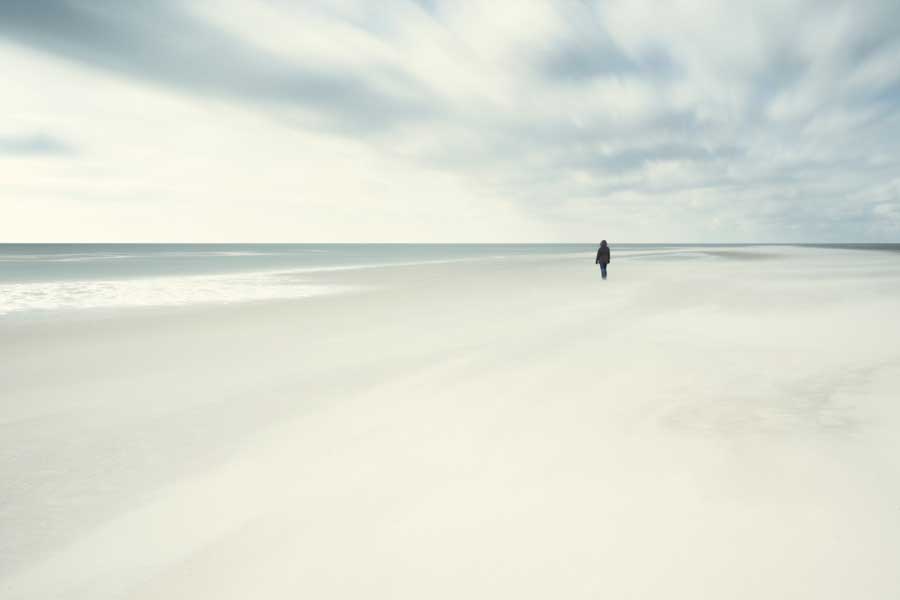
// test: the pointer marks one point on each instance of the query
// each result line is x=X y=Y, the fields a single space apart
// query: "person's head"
x=603 y=243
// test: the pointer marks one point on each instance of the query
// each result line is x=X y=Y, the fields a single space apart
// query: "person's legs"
x=603 y=270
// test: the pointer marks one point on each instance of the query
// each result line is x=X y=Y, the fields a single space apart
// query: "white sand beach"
x=708 y=423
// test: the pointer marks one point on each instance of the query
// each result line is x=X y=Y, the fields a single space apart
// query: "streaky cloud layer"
x=451 y=121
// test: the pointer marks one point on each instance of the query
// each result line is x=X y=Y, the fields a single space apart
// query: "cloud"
x=35 y=144
x=160 y=42
x=679 y=115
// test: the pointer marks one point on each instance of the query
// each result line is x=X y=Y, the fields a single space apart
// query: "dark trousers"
x=603 y=270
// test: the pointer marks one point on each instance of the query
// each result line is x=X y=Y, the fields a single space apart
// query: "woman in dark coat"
x=603 y=257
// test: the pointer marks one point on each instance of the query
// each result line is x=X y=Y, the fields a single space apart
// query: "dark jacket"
x=603 y=256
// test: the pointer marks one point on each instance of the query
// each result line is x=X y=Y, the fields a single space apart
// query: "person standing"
x=603 y=258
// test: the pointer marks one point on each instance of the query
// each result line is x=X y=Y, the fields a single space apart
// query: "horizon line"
x=408 y=243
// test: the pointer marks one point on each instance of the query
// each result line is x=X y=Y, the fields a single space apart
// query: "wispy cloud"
x=35 y=144
x=161 y=42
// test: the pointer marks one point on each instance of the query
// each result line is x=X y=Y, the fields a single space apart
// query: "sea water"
x=50 y=277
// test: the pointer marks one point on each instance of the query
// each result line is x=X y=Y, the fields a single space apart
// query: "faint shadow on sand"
x=811 y=406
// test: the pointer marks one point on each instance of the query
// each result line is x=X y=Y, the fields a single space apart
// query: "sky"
x=439 y=121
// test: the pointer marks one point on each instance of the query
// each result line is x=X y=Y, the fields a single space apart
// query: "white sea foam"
x=157 y=291
x=182 y=290
x=209 y=253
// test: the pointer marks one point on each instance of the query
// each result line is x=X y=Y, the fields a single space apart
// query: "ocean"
x=41 y=278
